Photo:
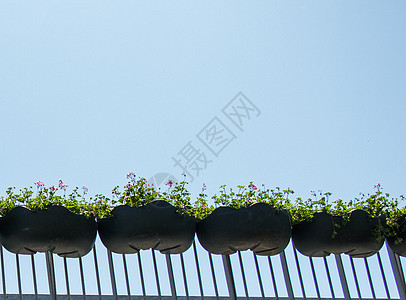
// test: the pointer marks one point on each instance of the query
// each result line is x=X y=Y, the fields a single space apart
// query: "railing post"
x=51 y=274
x=229 y=276
x=112 y=275
x=285 y=269
x=343 y=279
x=399 y=276
x=170 y=274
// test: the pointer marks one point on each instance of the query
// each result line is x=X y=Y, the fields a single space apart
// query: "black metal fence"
x=197 y=274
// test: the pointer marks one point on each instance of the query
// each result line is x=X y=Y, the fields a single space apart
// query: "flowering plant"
x=178 y=196
x=201 y=207
x=246 y=196
x=138 y=192
x=376 y=205
x=45 y=197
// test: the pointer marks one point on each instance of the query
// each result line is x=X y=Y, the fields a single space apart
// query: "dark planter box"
x=361 y=236
x=260 y=227
x=54 y=229
x=157 y=225
x=399 y=249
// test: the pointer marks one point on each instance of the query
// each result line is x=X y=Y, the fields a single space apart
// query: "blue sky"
x=91 y=90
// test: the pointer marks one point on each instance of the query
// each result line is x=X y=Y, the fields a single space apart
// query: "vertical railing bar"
x=316 y=284
x=184 y=275
x=96 y=268
x=20 y=291
x=65 y=266
x=82 y=278
x=300 y=273
x=229 y=277
x=112 y=275
x=156 y=274
x=199 y=275
x=330 y=283
x=213 y=275
x=370 y=278
x=402 y=274
x=261 y=286
x=51 y=274
x=34 y=277
x=244 y=280
x=397 y=272
x=383 y=275
x=399 y=262
x=127 y=281
x=273 y=278
x=285 y=269
x=171 y=276
x=3 y=273
x=341 y=274
x=355 y=277
x=141 y=274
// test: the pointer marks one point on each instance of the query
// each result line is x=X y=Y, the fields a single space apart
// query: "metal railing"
x=197 y=274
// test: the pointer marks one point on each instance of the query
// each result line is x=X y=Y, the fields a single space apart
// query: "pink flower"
x=253 y=186
x=85 y=190
x=377 y=185
x=39 y=183
x=52 y=188
x=170 y=182
x=62 y=185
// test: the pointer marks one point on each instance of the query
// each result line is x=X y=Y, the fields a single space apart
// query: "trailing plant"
x=376 y=205
x=201 y=208
x=245 y=196
x=395 y=225
x=178 y=196
x=138 y=192
x=304 y=210
x=48 y=196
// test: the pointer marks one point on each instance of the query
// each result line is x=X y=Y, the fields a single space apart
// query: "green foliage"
x=137 y=192
x=178 y=196
x=395 y=219
x=46 y=197
x=201 y=208
x=246 y=196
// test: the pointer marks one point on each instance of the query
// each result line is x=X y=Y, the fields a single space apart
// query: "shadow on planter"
x=260 y=227
x=54 y=229
x=361 y=236
x=156 y=225
x=400 y=248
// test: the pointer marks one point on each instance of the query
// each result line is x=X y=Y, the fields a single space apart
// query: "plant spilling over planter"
x=359 y=236
x=353 y=228
x=142 y=222
x=64 y=225
x=262 y=220
x=248 y=219
x=395 y=227
x=54 y=229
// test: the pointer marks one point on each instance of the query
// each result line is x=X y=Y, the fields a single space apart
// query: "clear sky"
x=91 y=90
